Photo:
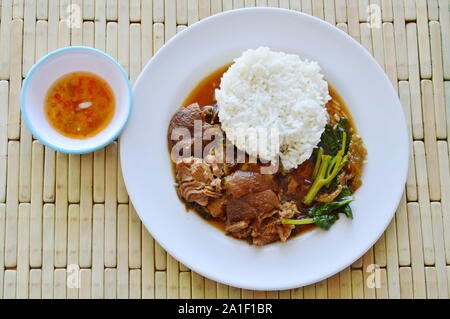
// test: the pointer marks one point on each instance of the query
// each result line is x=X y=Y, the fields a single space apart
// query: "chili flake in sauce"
x=79 y=104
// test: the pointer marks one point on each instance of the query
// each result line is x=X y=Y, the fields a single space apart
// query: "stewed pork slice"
x=241 y=183
x=196 y=180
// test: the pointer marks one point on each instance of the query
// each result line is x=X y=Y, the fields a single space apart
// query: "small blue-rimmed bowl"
x=54 y=65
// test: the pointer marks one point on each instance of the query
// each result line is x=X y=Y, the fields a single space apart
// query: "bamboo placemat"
x=64 y=217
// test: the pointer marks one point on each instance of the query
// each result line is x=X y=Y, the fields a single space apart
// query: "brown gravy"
x=204 y=94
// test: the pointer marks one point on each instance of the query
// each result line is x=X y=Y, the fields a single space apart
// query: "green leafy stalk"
x=325 y=215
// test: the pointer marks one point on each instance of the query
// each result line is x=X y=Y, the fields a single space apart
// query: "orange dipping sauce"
x=79 y=105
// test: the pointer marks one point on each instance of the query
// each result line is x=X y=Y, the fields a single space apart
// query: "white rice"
x=264 y=89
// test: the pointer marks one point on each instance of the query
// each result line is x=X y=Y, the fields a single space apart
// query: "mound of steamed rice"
x=266 y=90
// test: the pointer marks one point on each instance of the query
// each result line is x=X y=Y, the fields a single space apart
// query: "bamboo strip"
x=438 y=235
x=400 y=40
x=193 y=10
x=345 y=281
x=382 y=291
x=198 y=286
x=4 y=89
x=424 y=203
x=111 y=206
x=12 y=205
x=86 y=211
x=85 y=284
x=216 y=6
x=411 y=183
x=410 y=10
x=48 y=244
x=226 y=5
x=147 y=31
x=73 y=235
x=25 y=163
x=185 y=285
x=122 y=252
x=353 y=20
x=110 y=283
x=158 y=11
x=414 y=81
x=256 y=294
x=210 y=289
x=222 y=290
x=342 y=26
x=49 y=175
x=134 y=239
x=245 y=294
x=35 y=284
x=65 y=10
x=334 y=287
x=392 y=261
x=234 y=293
x=42 y=9
x=430 y=141
x=74 y=177
x=247 y=3
x=390 y=54
x=447 y=107
x=100 y=25
x=296 y=293
x=181 y=9
x=53 y=25
x=357 y=284
x=2 y=238
x=148 y=265
x=321 y=290
x=135 y=284
x=135 y=69
x=406 y=287
x=9 y=284
x=378 y=47
x=286 y=294
x=363 y=6
x=318 y=9
x=61 y=211
x=135 y=10
x=307 y=6
x=444 y=19
x=204 y=8
x=111 y=10
x=445 y=191
x=2 y=274
x=123 y=42
x=88 y=9
x=5 y=38
x=172 y=278
x=237 y=4
x=417 y=261
x=160 y=285
x=386 y=10
x=294 y=4
x=438 y=83
x=73 y=281
x=97 y=251
x=341 y=11
x=404 y=256
x=433 y=10
x=23 y=251
x=423 y=39
x=59 y=284
x=15 y=79
x=329 y=11
x=36 y=205
x=29 y=32
x=368 y=274
x=259 y=3
x=431 y=282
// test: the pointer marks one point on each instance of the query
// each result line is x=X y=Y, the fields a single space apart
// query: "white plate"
x=202 y=48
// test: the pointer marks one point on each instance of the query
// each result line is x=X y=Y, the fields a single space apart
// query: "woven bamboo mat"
x=66 y=221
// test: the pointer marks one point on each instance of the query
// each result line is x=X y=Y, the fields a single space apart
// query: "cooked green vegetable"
x=331 y=157
x=326 y=214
